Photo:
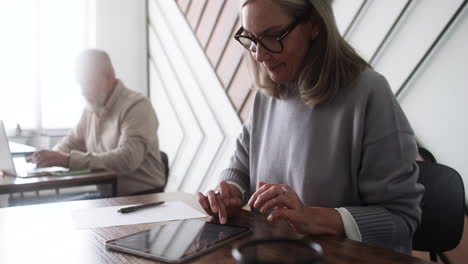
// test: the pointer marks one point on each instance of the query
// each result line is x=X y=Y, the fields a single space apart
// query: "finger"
x=213 y=201
x=254 y=196
x=269 y=194
x=299 y=224
x=203 y=201
x=235 y=202
x=37 y=153
x=42 y=164
x=29 y=158
x=224 y=192
x=281 y=201
x=224 y=189
x=278 y=214
x=39 y=163
x=261 y=183
x=38 y=156
x=222 y=214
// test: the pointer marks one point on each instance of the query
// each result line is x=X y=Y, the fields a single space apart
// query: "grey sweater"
x=355 y=152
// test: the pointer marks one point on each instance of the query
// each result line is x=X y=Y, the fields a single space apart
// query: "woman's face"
x=266 y=18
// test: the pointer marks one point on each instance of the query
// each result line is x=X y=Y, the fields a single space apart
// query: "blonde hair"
x=324 y=73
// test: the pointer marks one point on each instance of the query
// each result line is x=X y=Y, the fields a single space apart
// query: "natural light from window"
x=39 y=43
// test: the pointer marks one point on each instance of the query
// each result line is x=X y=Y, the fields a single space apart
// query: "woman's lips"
x=273 y=68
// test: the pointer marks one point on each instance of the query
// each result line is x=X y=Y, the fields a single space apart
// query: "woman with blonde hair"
x=326 y=146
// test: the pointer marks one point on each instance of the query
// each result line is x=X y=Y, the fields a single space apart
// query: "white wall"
x=121 y=31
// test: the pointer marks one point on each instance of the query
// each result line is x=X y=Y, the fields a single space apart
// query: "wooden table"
x=46 y=234
x=11 y=184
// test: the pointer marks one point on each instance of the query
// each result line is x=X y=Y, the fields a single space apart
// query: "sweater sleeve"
x=75 y=139
x=387 y=178
x=238 y=170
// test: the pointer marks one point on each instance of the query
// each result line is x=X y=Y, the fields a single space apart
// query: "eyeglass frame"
x=280 y=38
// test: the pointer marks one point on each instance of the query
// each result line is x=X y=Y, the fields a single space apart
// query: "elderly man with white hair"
x=117 y=131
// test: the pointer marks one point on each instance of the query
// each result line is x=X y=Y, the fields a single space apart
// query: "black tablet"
x=177 y=241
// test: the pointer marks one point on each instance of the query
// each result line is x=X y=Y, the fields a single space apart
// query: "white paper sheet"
x=108 y=216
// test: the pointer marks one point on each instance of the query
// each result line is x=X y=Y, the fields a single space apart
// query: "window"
x=40 y=40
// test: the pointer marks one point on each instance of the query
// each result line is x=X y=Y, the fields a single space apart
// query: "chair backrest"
x=443 y=208
x=165 y=161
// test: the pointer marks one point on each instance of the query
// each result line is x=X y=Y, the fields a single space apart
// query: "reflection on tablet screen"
x=178 y=240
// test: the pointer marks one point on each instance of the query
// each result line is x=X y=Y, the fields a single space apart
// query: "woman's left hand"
x=286 y=204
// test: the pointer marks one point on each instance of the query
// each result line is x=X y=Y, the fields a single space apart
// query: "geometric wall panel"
x=370 y=28
x=413 y=36
x=219 y=20
x=346 y=11
x=201 y=137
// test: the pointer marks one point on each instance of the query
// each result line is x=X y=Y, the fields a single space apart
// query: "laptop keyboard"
x=22 y=165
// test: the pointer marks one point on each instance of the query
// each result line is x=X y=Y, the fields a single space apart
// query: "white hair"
x=95 y=60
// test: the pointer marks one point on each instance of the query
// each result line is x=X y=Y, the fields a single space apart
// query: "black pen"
x=138 y=207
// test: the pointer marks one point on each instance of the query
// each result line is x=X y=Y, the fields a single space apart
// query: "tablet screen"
x=177 y=241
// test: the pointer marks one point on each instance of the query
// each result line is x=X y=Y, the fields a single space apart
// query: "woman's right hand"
x=225 y=203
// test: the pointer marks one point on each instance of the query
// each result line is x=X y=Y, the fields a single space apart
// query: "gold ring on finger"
x=284 y=189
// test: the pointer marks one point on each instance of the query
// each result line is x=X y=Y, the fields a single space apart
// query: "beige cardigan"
x=122 y=136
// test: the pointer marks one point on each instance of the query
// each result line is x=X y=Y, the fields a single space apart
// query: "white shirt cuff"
x=238 y=187
x=350 y=226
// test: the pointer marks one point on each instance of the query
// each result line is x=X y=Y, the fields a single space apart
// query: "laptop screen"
x=6 y=162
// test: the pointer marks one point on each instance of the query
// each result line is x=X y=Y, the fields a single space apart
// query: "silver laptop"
x=19 y=166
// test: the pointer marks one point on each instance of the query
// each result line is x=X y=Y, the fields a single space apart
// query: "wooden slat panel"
x=183 y=5
x=229 y=61
x=222 y=31
x=240 y=86
x=195 y=12
x=208 y=20
x=245 y=111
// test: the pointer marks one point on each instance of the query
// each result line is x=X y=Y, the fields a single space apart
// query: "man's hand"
x=48 y=158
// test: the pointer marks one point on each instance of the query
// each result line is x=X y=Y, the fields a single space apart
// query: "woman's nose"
x=260 y=53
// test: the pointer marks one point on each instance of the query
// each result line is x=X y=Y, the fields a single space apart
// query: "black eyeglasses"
x=271 y=43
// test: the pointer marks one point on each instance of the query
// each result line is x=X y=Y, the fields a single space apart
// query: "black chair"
x=165 y=161
x=443 y=209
